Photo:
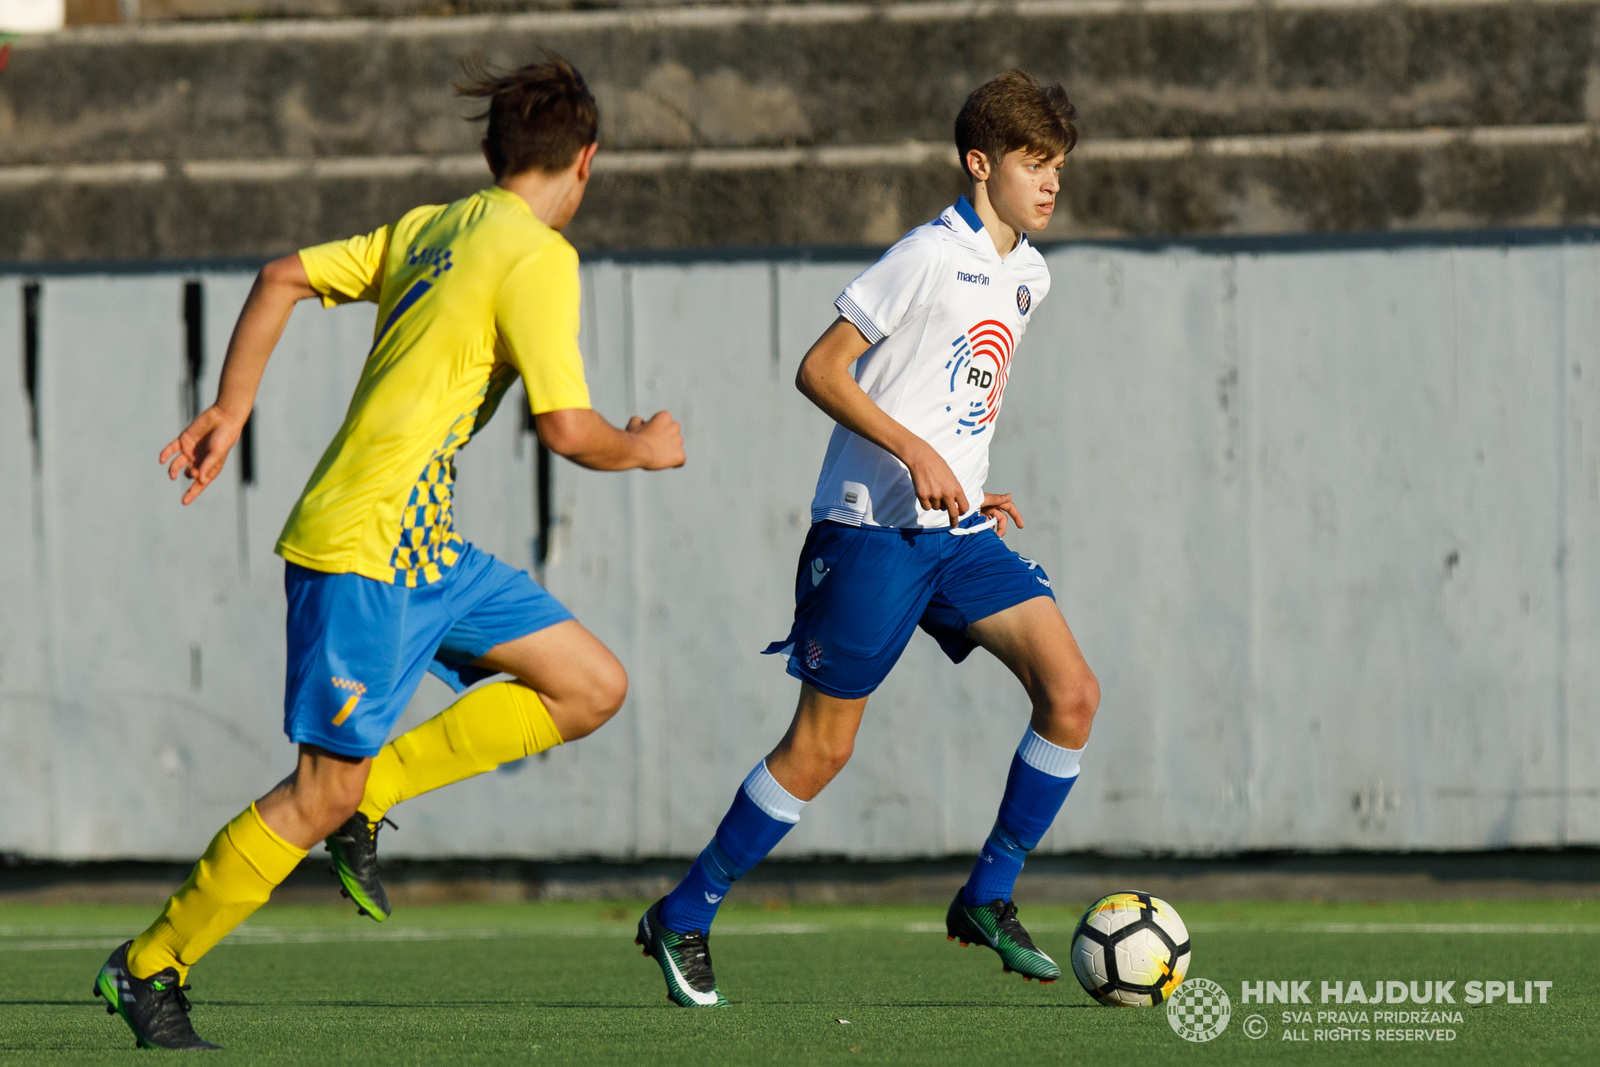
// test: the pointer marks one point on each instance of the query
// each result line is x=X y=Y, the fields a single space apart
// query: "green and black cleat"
x=354 y=848
x=154 y=1008
x=685 y=961
x=995 y=924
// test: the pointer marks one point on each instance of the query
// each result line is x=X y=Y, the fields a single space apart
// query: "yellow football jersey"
x=470 y=296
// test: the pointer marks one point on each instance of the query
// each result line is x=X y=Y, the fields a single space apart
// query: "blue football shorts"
x=358 y=647
x=862 y=590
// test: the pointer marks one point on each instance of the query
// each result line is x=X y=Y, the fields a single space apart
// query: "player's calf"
x=820 y=741
x=315 y=800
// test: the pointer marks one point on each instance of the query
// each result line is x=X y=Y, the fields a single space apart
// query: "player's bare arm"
x=585 y=437
x=201 y=450
x=824 y=378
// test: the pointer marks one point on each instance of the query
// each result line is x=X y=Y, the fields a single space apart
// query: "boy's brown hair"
x=1014 y=111
x=540 y=116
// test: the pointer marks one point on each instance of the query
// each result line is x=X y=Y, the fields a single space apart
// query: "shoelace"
x=1006 y=920
x=177 y=992
x=694 y=958
x=374 y=827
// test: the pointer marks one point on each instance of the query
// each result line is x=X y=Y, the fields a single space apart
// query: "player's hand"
x=997 y=506
x=662 y=439
x=938 y=488
x=202 y=449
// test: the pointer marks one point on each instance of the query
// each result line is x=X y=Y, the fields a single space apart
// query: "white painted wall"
x=1326 y=523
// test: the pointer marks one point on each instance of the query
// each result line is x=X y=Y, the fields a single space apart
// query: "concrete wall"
x=1326 y=523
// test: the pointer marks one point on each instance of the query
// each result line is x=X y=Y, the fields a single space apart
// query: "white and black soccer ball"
x=1130 y=950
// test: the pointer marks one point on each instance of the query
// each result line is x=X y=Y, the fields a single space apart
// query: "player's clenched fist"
x=662 y=438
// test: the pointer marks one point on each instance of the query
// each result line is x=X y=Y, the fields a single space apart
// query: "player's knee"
x=603 y=697
x=611 y=689
x=833 y=755
x=1089 y=693
x=1073 y=701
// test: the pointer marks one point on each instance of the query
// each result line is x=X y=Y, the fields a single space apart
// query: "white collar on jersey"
x=963 y=210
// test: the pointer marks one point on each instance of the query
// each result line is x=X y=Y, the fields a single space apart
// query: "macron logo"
x=975 y=279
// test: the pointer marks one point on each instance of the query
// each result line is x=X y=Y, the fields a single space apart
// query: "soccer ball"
x=1130 y=950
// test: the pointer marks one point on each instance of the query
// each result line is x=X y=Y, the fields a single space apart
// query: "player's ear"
x=977 y=165
x=586 y=160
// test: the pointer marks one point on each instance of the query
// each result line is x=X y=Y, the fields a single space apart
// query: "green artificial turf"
x=563 y=983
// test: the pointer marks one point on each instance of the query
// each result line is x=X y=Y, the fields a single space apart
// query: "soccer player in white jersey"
x=904 y=534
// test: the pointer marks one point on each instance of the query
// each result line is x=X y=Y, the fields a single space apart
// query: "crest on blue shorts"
x=1024 y=300
x=813 y=654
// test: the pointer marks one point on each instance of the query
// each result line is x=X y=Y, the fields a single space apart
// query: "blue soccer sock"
x=762 y=812
x=1041 y=777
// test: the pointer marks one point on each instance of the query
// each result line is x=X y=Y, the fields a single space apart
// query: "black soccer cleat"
x=354 y=848
x=995 y=924
x=685 y=961
x=154 y=1008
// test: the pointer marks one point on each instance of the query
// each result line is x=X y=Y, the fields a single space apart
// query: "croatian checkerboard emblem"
x=813 y=654
x=1024 y=300
x=1199 y=1010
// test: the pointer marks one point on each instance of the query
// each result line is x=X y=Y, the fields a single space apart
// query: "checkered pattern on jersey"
x=428 y=543
x=428 y=539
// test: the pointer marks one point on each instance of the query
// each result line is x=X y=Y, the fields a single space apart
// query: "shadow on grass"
x=433 y=1005
x=430 y=1005
x=985 y=1005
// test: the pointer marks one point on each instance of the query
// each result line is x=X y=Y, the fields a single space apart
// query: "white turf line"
x=278 y=935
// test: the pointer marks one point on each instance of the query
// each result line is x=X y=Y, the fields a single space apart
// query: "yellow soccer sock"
x=245 y=863
x=496 y=724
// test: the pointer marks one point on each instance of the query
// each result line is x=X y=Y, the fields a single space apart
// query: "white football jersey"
x=944 y=313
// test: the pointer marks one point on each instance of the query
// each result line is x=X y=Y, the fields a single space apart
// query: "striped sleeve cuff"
x=863 y=322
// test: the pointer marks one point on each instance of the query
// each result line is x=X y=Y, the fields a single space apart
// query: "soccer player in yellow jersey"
x=471 y=296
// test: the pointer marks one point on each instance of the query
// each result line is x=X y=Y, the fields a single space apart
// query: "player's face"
x=1023 y=189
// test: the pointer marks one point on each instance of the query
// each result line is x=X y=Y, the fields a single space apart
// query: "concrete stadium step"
x=810 y=74
x=104 y=12
x=1508 y=177
x=813 y=123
